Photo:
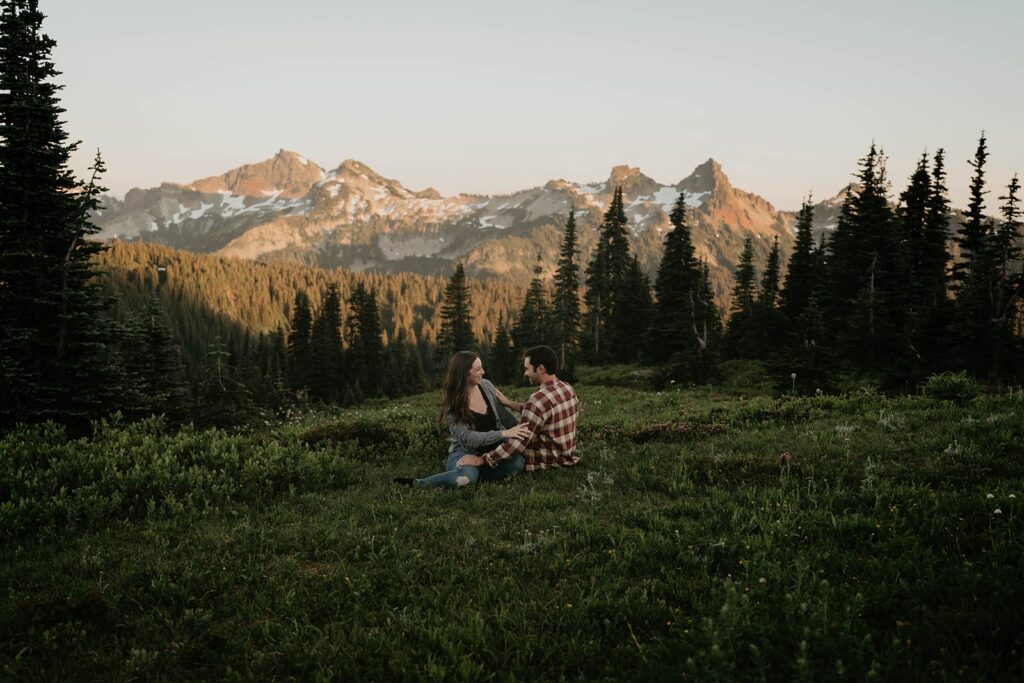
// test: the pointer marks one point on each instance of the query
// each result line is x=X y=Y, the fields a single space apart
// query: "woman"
x=478 y=419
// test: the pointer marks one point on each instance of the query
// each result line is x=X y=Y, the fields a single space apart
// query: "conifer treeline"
x=880 y=297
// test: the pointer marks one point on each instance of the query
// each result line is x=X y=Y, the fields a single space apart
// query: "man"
x=550 y=413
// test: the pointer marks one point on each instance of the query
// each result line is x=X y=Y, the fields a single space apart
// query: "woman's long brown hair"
x=455 y=390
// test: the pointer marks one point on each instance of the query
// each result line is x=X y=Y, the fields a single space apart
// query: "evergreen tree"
x=222 y=399
x=865 y=307
x=671 y=329
x=630 y=315
x=913 y=218
x=329 y=377
x=274 y=369
x=975 y=228
x=55 y=338
x=531 y=328
x=299 y=339
x=799 y=283
x=394 y=354
x=707 y=330
x=744 y=291
x=501 y=369
x=767 y=322
x=1008 y=281
x=414 y=378
x=365 y=347
x=566 y=301
x=741 y=337
x=155 y=363
x=605 y=275
x=932 y=275
x=456 y=333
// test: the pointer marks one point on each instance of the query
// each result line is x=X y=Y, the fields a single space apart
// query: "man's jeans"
x=467 y=476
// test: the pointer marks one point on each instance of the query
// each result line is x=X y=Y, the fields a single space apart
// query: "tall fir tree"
x=606 y=273
x=630 y=315
x=707 y=329
x=912 y=213
x=330 y=381
x=740 y=336
x=565 y=328
x=865 y=307
x=222 y=400
x=800 y=276
x=55 y=337
x=767 y=321
x=299 y=338
x=800 y=314
x=154 y=360
x=671 y=331
x=456 y=332
x=502 y=366
x=974 y=229
x=934 y=260
x=366 y=348
x=1008 y=284
x=532 y=326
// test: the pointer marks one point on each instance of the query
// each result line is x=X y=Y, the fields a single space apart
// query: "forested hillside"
x=205 y=297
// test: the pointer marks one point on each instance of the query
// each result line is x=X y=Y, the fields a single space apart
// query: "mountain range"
x=289 y=207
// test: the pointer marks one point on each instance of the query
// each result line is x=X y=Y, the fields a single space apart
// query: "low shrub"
x=957 y=387
x=51 y=483
x=746 y=377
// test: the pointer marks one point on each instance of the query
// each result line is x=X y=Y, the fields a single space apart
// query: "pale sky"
x=490 y=98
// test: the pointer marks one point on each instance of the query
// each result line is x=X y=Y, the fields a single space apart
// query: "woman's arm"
x=507 y=402
x=473 y=440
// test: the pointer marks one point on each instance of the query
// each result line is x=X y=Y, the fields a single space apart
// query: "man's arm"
x=533 y=418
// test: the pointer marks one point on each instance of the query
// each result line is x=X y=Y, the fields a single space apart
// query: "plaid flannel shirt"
x=551 y=414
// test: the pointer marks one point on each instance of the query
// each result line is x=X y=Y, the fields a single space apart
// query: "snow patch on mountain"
x=397 y=248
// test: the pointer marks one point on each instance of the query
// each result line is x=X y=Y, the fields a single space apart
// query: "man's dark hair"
x=543 y=355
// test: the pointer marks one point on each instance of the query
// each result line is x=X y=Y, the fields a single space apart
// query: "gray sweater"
x=462 y=435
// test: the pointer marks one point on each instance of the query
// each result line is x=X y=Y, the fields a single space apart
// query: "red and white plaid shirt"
x=551 y=414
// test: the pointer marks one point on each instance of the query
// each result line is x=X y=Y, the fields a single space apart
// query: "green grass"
x=680 y=548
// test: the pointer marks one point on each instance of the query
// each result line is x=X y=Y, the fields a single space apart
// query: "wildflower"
x=785 y=458
x=762 y=581
x=997 y=511
x=1012 y=497
x=990 y=496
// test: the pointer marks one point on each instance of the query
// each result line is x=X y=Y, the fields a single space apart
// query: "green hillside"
x=682 y=547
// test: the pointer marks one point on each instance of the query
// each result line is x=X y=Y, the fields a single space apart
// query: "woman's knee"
x=466 y=476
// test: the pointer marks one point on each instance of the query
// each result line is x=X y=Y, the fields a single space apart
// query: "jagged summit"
x=631 y=180
x=287 y=174
x=352 y=167
x=708 y=177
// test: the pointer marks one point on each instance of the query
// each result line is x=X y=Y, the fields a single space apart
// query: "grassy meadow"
x=888 y=544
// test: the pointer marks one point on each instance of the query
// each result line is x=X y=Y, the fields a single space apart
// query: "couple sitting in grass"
x=487 y=441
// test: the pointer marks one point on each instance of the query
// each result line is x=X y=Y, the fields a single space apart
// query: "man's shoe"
x=404 y=481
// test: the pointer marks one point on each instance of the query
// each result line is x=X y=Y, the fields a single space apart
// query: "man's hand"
x=471 y=460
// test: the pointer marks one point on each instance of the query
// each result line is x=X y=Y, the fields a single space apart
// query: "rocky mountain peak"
x=286 y=174
x=632 y=181
x=708 y=177
x=351 y=167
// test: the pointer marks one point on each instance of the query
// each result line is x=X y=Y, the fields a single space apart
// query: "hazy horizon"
x=484 y=100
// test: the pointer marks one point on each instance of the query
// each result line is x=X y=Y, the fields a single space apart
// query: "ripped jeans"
x=467 y=476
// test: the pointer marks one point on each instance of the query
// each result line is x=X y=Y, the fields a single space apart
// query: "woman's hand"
x=520 y=432
x=505 y=401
